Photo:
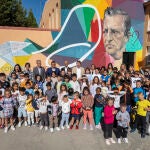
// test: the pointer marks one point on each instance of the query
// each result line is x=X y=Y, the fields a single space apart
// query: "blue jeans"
x=128 y=108
x=65 y=118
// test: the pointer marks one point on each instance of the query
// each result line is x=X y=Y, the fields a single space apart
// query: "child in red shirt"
x=75 y=110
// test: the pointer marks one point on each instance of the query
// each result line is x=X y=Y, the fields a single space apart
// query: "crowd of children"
x=104 y=97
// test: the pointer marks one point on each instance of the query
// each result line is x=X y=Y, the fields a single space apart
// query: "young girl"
x=65 y=104
x=109 y=112
x=104 y=89
x=84 y=83
x=88 y=101
x=63 y=91
x=54 y=78
x=15 y=91
x=58 y=84
x=36 y=88
x=30 y=110
x=8 y=109
x=76 y=106
x=39 y=82
x=94 y=85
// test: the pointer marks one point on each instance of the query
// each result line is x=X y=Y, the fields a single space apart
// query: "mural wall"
x=91 y=32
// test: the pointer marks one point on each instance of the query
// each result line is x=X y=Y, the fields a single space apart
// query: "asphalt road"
x=32 y=138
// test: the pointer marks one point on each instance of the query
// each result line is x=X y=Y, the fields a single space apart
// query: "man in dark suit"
x=39 y=70
x=65 y=68
x=53 y=68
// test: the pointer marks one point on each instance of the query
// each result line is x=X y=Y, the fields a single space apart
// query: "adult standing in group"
x=53 y=68
x=27 y=69
x=79 y=70
x=66 y=67
x=17 y=69
x=39 y=70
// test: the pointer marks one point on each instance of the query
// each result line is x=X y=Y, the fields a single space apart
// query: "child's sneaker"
x=57 y=129
x=2 y=126
x=91 y=127
x=126 y=140
x=119 y=141
x=25 y=123
x=12 y=128
x=97 y=126
x=41 y=127
x=132 y=130
x=71 y=127
x=6 y=130
x=84 y=127
x=112 y=140
x=77 y=127
x=29 y=125
x=67 y=126
x=51 y=130
x=46 y=128
x=37 y=124
x=107 y=142
x=62 y=127
x=19 y=124
x=34 y=124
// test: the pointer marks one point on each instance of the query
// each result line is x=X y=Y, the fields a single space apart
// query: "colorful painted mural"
x=90 y=32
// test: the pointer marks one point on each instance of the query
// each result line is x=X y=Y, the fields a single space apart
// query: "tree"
x=31 y=21
x=12 y=13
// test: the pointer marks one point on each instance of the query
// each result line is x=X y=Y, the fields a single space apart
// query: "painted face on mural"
x=114 y=36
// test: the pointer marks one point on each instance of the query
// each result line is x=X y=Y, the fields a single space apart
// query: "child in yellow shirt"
x=30 y=110
x=143 y=106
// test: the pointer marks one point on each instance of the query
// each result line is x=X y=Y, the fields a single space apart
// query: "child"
x=76 y=106
x=137 y=90
x=30 y=110
x=1 y=111
x=35 y=105
x=94 y=85
x=48 y=79
x=15 y=91
x=43 y=113
x=63 y=91
x=65 y=104
x=99 y=102
x=54 y=77
x=109 y=112
x=142 y=107
x=4 y=84
x=84 y=83
x=58 y=84
x=66 y=81
x=53 y=111
x=75 y=84
x=50 y=92
x=104 y=89
x=37 y=89
x=88 y=102
x=70 y=94
x=123 y=119
x=14 y=78
x=21 y=109
x=38 y=81
x=8 y=109
x=29 y=90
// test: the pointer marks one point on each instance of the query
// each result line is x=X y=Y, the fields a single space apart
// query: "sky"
x=37 y=7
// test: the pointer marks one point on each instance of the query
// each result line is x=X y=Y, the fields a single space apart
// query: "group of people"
x=104 y=98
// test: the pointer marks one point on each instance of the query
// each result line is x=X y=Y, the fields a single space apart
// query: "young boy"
x=43 y=104
x=21 y=109
x=123 y=119
x=29 y=90
x=75 y=84
x=76 y=106
x=142 y=107
x=99 y=102
x=138 y=89
x=1 y=111
x=5 y=84
x=53 y=111
x=35 y=105
x=50 y=92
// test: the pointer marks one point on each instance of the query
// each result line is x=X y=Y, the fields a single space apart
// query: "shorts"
x=8 y=113
x=22 y=112
x=37 y=113
x=1 y=114
x=75 y=116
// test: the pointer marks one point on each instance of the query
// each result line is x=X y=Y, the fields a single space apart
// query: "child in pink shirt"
x=109 y=112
